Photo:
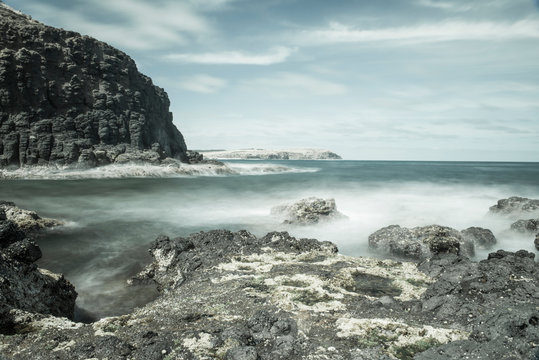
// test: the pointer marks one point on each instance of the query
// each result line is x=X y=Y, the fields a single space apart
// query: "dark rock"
x=308 y=211
x=420 y=242
x=515 y=205
x=68 y=99
x=536 y=242
x=483 y=238
x=526 y=226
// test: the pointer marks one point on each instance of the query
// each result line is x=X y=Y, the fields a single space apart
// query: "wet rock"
x=26 y=220
x=482 y=238
x=515 y=206
x=308 y=211
x=67 y=98
x=420 y=242
x=536 y=242
x=526 y=226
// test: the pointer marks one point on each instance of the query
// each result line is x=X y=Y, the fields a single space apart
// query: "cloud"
x=274 y=56
x=129 y=24
x=287 y=84
x=203 y=84
x=424 y=33
x=445 y=5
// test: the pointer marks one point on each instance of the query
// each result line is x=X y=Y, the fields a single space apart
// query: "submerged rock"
x=308 y=211
x=420 y=242
x=515 y=205
x=70 y=99
x=526 y=226
x=483 y=238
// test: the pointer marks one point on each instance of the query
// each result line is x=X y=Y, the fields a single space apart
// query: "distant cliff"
x=261 y=154
x=67 y=98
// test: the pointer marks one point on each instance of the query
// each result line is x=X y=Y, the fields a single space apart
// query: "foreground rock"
x=515 y=206
x=24 y=288
x=420 y=242
x=70 y=99
x=308 y=211
x=232 y=295
x=261 y=154
x=27 y=220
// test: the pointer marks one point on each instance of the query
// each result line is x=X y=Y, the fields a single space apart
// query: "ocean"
x=112 y=221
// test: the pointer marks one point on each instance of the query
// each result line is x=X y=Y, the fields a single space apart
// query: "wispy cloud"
x=445 y=5
x=203 y=83
x=129 y=24
x=287 y=84
x=424 y=33
x=273 y=56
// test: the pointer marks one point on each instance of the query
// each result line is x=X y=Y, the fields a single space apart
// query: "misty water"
x=111 y=222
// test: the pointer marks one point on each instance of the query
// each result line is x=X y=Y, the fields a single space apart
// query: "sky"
x=370 y=80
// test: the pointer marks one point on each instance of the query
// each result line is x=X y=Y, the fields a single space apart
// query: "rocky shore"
x=232 y=295
x=262 y=154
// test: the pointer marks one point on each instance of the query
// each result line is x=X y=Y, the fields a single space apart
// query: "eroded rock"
x=481 y=237
x=526 y=226
x=515 y=205
x=420 y=242
x=308 y=211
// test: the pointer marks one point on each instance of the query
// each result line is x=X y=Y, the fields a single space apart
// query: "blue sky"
x=388 y=79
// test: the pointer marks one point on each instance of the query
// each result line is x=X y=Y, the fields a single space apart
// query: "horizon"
x=417 y=80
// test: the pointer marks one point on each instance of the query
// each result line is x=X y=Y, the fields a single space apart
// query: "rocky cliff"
x=67 y=98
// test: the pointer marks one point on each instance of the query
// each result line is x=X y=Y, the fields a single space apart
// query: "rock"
x=483 y=238
x=25 y=287
x=308 y=211
x=536 y=242
x=70 y=99
x=515 y=206
x=526 y=226
x=27 y=221
x=232 y=295
x=261 y=154
x=420 y=242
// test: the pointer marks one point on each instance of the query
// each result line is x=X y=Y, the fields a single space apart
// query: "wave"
x=137 y=170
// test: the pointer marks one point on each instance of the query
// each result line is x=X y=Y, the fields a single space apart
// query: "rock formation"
x=526 y=226
x=482 y=238
x=308 y=211
x=515 y=205
x=26 y=220
x=23 y=286
x=234 y=296
x=420 y=242
x=67 y=98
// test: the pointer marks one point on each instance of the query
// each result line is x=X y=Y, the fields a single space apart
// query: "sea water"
x=111 y=218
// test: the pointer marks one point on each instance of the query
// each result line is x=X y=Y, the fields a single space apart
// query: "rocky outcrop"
x=23 y=286
x=536 y=241
x=70 y=99
x=26 y=220
x=261 y=154
x=515 y=205
x=526 y=226
x=308 y=211
x=420 y=242
x=481 y=237
x=231 y=295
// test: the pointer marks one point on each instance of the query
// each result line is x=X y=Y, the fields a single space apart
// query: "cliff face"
x=68 y=98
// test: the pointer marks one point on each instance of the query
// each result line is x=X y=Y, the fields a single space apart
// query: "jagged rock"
x=229 y=295
x=70 y=99
x=536 y=242
x=420 y=242
x=515 y=206
x=308 y=211
x=25 y=287
x=483 y=238
x=26 y=220
x=526 y=226
x=497 y=297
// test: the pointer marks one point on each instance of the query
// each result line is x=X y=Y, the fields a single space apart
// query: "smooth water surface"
x=112 y=221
